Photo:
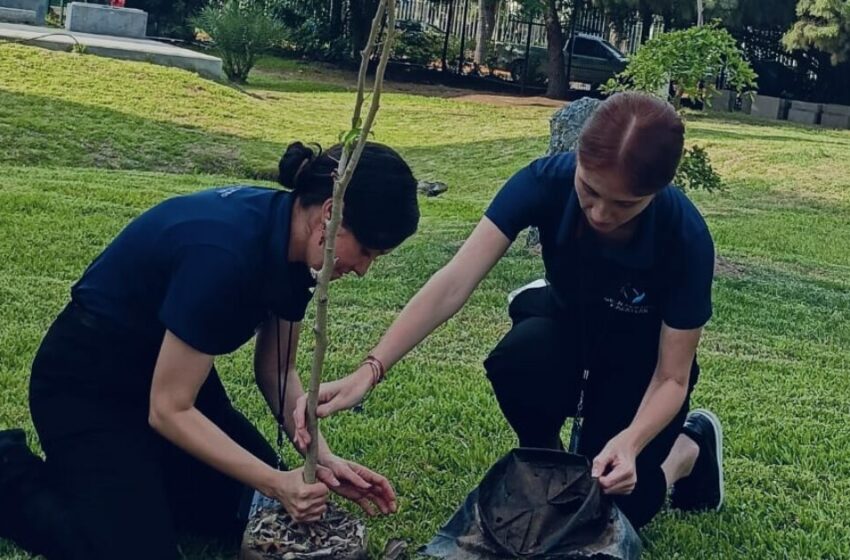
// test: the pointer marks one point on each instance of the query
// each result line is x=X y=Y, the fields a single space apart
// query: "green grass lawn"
x=88 y=143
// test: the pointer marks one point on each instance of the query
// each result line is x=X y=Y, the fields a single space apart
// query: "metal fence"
x=512 y=27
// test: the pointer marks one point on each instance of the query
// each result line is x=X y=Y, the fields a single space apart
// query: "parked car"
x=594 y=61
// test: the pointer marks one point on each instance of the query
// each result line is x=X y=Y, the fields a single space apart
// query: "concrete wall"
x=105 y=20
x=835 y=116
x=765 y=107
x=804 y=113
x=723 y=101
x=24 y=11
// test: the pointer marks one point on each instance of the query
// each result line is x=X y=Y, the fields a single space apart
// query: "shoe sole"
x=718 y=440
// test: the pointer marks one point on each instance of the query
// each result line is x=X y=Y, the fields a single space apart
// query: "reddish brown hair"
x=638 y=135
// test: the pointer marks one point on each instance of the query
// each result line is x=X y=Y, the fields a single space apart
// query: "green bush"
x=240 y=32
x=696 y=172
x=312 y=37
x=169 y=18
x=417 y=44
x=691 y=60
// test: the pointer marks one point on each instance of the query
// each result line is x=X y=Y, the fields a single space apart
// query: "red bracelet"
x=379 y=372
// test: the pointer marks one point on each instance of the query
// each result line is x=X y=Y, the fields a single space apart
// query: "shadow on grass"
x=763 y=129
x=274 y=82
x=46 y=132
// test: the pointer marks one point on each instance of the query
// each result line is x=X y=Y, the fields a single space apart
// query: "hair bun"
x=293 y=161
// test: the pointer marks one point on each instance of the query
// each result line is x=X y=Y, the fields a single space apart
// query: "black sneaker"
x=702 y=490
x=15 y=458
x=20 y=479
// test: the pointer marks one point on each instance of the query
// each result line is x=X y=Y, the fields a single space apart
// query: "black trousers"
x=535 y=371
x=126 y=491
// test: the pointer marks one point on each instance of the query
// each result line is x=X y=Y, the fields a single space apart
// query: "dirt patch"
x=728 y=269
x=329 y=74
x=511 y=100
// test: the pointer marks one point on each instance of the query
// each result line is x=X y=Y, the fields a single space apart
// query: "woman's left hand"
x=615 y=465
x=371 y=491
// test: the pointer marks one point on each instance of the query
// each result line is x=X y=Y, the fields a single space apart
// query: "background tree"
x=824 y=25
x=557 y=86
x=691 y=60
x=487 y=11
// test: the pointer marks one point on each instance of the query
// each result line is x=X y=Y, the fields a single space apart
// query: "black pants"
x=126 y=490
x=535 y=371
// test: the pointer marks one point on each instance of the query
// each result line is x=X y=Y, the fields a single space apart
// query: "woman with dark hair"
x=610 y=337
x=141 y=440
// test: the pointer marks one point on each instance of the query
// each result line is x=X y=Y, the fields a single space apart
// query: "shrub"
x=691 y=60
x=696 y=173
x=240 y=32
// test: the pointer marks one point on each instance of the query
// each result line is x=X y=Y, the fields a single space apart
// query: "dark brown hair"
x=639 y=135
x=381 y=208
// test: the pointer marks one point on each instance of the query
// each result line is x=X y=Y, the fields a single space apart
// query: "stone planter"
x=805 y=113
x=765 y=106
x=723 y=101
x=105 y=20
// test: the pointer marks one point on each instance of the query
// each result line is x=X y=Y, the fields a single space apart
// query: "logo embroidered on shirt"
x=629 y=300
x=227 y=191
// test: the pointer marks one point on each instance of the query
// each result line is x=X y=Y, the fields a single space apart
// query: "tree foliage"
x=824 y=25
x=690 y=60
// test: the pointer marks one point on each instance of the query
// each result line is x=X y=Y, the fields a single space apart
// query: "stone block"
x=766 y=107
x=835 y=116
x=804 y=113
x=23 y=11
x=723 y=101
x=106 y=20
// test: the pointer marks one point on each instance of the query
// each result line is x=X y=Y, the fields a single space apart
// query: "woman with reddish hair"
x=610 y=337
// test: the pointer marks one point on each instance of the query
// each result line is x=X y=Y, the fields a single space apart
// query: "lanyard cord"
x=585 y=343
x=282 y=379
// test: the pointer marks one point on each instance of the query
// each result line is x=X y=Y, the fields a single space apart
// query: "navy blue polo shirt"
x=210 y=267
x=664 y=273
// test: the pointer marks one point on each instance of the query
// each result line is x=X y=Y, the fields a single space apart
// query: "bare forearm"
x=194 y=433
x=661 y=402
x=433 y=305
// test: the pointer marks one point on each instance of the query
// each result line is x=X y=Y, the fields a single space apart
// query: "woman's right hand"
x=334 y=396
x=304 y=502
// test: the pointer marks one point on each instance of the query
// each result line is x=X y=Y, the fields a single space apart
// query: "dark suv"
x=594 y=61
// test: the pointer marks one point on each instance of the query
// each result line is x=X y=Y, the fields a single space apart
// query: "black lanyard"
x=587 y=347
x=282 y=379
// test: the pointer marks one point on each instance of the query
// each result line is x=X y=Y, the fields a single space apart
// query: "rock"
x=565 y=126
x=431 y=188
x=567 y=122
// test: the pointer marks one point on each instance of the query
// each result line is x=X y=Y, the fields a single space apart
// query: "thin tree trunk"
x=646 y=18
x=345 y=170
x=336 y=17
x=558 y=86
x=362 y=12
x=486 y=26
x=444 y=65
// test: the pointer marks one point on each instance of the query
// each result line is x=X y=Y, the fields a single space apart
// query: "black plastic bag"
x=538 y=504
